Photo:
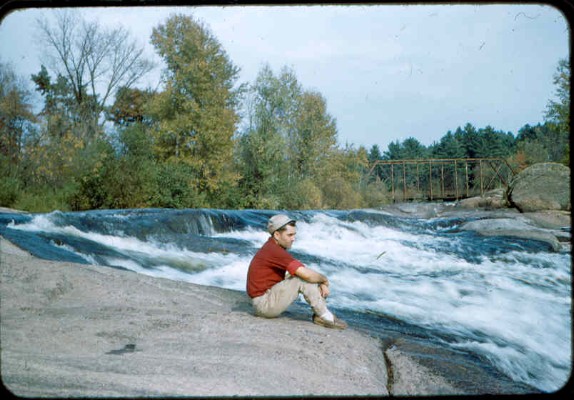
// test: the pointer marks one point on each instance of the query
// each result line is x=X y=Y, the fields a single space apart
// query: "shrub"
x=9 y=191
x=376 y=194
x=339 y=194
x=175 y=187
x=304 y=195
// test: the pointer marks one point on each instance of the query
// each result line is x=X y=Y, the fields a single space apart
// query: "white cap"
x=277 y=222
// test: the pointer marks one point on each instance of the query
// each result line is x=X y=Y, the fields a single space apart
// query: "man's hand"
x=324 y=290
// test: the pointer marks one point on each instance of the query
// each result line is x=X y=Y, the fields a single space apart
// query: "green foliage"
x=9 y=191
x=314 y=137
x=261 y=158
x=132 y=179
x=304 y=194
x=376 y=194
x=558 y=111
x=542 y=143
x=42 y=199
x=126 y=178
x=174 y=189
x=15 y=114
x=409 y=149
x=448 y=147
x=558 y=116
x=92 y=183
x=339 y=194
x=289 y=146
x=130 y=107
x=197 y=110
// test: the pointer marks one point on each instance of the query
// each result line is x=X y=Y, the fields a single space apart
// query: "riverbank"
x=71 y=330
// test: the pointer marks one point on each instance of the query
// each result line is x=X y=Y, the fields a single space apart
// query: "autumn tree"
x=197 y=109
x=342 y=188
x=315 y=136
x=16 y=119
x=130 y=107
x=15 y=113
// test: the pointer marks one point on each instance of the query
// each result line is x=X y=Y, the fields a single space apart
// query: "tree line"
x=203 y=139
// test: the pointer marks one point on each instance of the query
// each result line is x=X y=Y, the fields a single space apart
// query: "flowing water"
x=504 y=299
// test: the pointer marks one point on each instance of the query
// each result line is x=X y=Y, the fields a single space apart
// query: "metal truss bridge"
x=441 y=179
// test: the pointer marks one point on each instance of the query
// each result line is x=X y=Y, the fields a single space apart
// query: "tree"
x=261 y=155
x=93 y=62
x=265 y=145
x=469 y=139
x=315 y=136
x=413 y=149
x=197 y=111
x=373 y=156
x=342 y=187
x=288 y=145
x=558 y=114
x=541 y=143
x=130 y=107
x=447 y=147
x=16 y=120
x=492 y=143
x=60 y=114
x=16 y=114
x=409 y=149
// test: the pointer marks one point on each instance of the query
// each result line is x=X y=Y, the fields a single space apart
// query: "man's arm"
x=311 y=276
x=314 y=277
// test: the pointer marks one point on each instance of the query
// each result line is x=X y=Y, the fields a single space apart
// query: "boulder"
x=539 y=187
x=490 y=200
x=513 y=227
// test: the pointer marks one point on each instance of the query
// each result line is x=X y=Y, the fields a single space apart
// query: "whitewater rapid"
x=508 y=300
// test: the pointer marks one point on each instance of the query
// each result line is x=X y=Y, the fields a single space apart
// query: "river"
x=507 y=300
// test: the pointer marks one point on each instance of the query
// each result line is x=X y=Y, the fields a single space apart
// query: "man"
x=272 y=290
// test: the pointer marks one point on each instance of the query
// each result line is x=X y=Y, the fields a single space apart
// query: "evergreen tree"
x=373 y=156
x=447 y=147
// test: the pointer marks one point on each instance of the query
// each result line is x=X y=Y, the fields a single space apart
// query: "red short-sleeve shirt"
x=268 y=268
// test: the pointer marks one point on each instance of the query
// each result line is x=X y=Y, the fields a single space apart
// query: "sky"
x=387 y=72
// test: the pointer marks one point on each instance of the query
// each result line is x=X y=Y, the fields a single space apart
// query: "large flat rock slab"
x=70 y=330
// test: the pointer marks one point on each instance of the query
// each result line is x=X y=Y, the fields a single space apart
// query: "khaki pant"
x=281 y=295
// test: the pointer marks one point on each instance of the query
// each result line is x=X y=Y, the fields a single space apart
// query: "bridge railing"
x=445 y=178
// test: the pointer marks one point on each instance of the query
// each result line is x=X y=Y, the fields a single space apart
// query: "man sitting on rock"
x=272 y=290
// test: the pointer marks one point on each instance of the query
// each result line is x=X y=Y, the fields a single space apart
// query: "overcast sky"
x=388 y=72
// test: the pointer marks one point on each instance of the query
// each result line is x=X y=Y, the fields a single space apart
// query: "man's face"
x=286 y=237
